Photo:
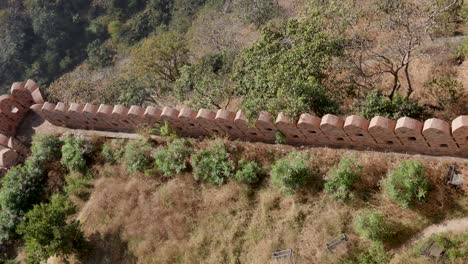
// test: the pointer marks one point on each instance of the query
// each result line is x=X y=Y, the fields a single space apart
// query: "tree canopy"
x=284 y=70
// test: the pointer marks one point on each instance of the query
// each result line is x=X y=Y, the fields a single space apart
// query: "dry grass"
x=146 y=220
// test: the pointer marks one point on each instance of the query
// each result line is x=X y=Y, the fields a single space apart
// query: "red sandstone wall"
x=13 y=108
x=432 y=137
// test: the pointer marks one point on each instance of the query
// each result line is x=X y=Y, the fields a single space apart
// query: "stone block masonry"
x=13 y=108
x=407 y=135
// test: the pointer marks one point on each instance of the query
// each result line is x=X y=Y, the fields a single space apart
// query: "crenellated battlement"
x=432 y=137
x=13 y=109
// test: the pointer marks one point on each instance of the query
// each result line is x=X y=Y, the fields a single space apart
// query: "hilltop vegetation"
x=219 y=202
x=390 y=58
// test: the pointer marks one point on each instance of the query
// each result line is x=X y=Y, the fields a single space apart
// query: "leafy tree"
x=373 y=226
x=258 y=12
x=292 y=172
x=46 y=232
x=22 y=186
x=57 y=26
x=248 y=172
x=45 y=148
x=283 y=70
x=212 y=164
x=16 y=35
x=183 y=12
x=74 y=153
x=407 y=183
x=341 y=178
x=207 y=84
x=127 y=92
x=173 y=158
x=137 y=156
x=377 y=104
x=158 y=60
x=99 y=55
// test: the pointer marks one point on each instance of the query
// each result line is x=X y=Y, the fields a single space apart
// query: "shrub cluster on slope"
x=407 y=183
x=23 y=185
x=212 y=164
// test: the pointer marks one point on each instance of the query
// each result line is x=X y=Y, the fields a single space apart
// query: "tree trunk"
x=409 y=89
x=396 y=85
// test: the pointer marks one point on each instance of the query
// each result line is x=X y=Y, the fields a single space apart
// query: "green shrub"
x=377 y=104
x=46 y=148
x=341 y=178
x=373 y=226
x=248 y=172
x=212 y=164
x=280 y=138
x=78 y=185
x=22 y=186
x=46 y=232
x=407 y=183
x=99 y=55
x=115 y=29
x=375 y=255
x=172 y=159
x=113 y=150
x=462 y=50
x=137 y=156
x=74 y=153
x=292 y=172
x=258 y=12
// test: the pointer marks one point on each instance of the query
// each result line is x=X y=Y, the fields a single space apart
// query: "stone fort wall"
x=432 y=137
x=13 y=108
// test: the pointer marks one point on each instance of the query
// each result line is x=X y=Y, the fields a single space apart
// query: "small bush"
x=113 y=150
x=78 y=185
x=46 y=232
x=377 y=104
x=74 y=152
x=172 y=159
x=341 y=178
x=407 y=183
x=23 y=185
x=248 y=172
x=137 y=156
x=373 y=226
x=375 y=255
x=280 y=138
x=291 y=173
x=99 y=55
x=166 y=131
x=462 y=50
x=212 y=164
x=46 y=148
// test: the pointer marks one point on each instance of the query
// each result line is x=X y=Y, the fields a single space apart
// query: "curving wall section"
x=13 y=108
x=433 y=136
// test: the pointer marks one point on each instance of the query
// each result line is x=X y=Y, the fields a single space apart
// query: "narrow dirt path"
x=455 y=225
